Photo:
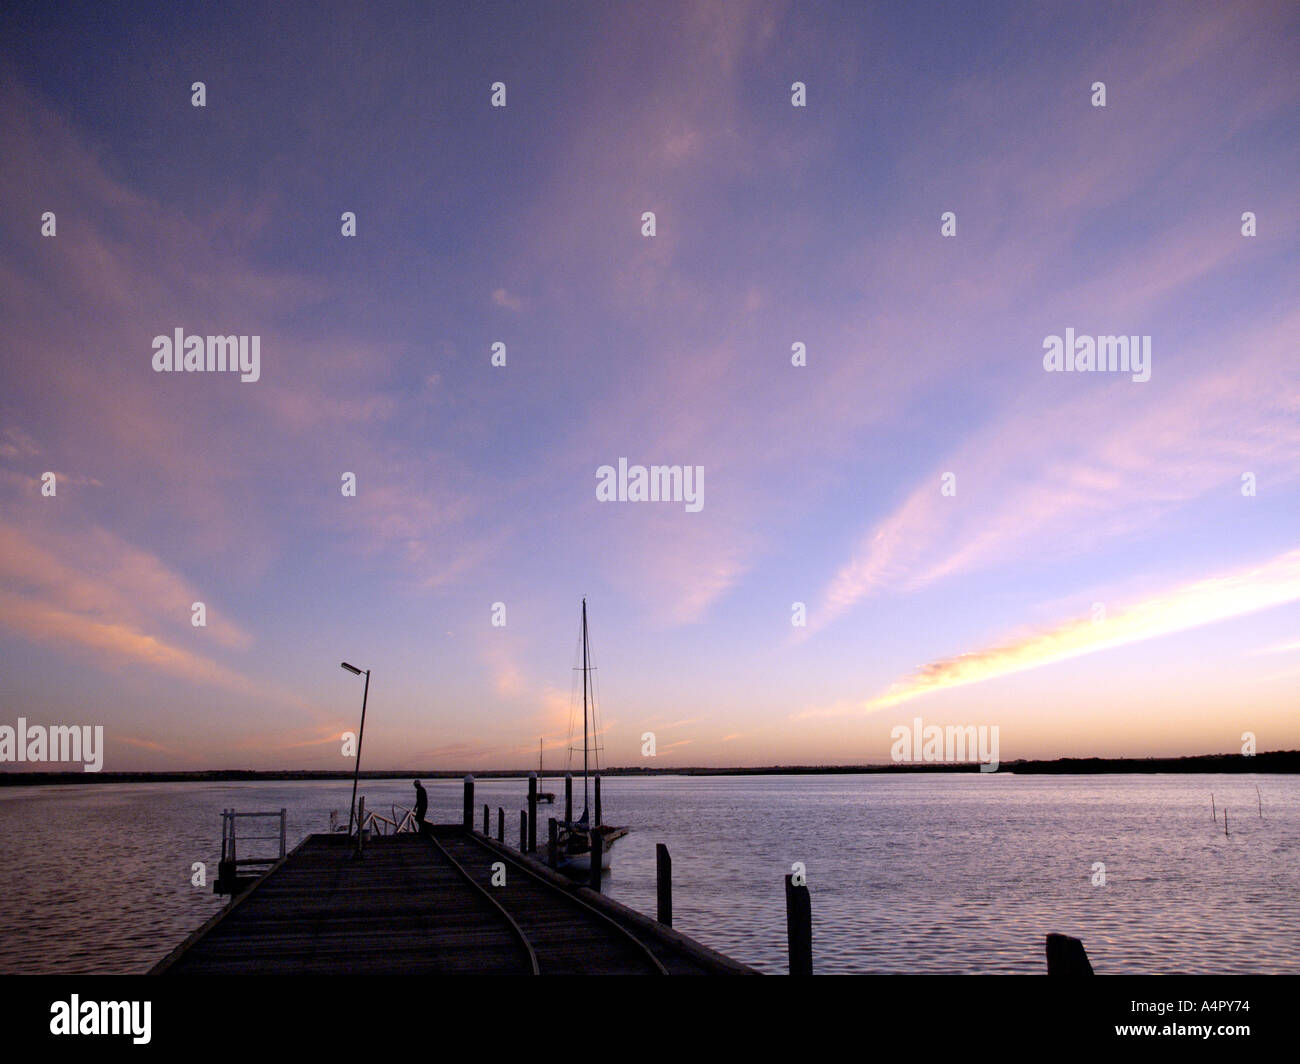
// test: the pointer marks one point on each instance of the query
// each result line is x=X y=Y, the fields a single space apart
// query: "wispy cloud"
x=1280 y=648
x=116 y=643
x=502 y=298
x=1215 y=598
x=94 y=574
x=1027 y=489
x=156 y=747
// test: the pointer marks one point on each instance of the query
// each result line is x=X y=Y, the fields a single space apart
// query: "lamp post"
x=360 y=736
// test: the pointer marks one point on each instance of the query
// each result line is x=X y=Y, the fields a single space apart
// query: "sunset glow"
x=1094 y=562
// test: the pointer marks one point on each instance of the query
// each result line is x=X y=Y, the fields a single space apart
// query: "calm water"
x=907 y=874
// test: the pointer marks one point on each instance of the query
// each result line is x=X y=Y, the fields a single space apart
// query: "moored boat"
x=575 y=836
x=542 y=796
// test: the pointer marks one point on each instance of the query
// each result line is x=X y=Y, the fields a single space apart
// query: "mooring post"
x=532 y=812
x=501 y=825
x=1066 y=956
x=225 y=870
x=597 y=858
x=468 y=819
x=523 y=831
x=599 y=820
x=487 y=823
x=664 y=881
x=361 y=824
x=798 y=927
x=568 y=797
x=552 y=842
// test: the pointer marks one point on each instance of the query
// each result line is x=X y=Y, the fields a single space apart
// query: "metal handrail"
x=230 y=837
x=377 y=823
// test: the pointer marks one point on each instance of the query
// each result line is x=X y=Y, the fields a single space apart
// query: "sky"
x=1074 y=558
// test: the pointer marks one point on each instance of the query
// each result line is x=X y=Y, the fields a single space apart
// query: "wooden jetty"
x=427 y=903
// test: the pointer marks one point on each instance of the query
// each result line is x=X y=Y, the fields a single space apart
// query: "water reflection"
x=908 y=874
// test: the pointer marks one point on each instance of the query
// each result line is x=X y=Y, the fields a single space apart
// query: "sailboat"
x=574 y=850
x=542 y=796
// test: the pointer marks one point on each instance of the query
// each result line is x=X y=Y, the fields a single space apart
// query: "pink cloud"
x=1125 y=464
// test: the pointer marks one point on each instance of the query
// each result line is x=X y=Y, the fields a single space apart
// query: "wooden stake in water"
x=532 y=812
x=664 y=884
x=1260 y=798
x=1225 y=823
x=798 y=927
x=1213 y=815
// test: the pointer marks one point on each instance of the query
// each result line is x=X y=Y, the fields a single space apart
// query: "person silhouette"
x=421 y=805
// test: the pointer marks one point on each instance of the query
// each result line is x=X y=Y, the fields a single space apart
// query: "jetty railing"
x=229 y=879
x=378 y=824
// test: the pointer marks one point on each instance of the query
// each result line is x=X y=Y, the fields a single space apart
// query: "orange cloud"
x=106 y=579
x=1203 y=602
x=120 y=643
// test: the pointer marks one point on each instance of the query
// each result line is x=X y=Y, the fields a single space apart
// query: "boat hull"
x=579 y=860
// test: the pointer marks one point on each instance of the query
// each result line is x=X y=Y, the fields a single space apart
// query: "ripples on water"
x=934 y=873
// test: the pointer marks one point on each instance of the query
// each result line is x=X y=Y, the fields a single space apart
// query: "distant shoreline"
x=1277 y=761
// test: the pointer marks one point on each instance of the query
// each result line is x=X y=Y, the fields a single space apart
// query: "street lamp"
x=360 y=736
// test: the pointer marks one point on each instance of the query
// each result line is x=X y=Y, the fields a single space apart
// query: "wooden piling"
x=599 y=820
x=597 y=857
x=468 y=813
x=487 y=823
x=523 y=831
x=552 y=842
x=1066 y=956
x=568 y=797
x=501 y=825
x=798 y=927
x=1225 y=821
x=532 y=812
x=664 y=883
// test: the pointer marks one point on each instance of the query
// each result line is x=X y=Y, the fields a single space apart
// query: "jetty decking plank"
x=404 y=907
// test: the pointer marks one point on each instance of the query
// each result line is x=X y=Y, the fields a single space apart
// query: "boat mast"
x=586 y=671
